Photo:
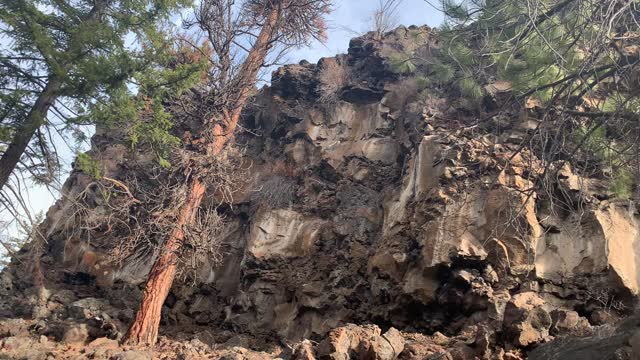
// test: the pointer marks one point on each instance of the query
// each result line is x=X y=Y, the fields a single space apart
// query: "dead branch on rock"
x=122 y=186
x=385 y=16
x=136 y=224
x=334 y=76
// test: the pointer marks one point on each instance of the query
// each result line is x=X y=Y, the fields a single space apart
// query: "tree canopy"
x=63 y=60
x=572 y=65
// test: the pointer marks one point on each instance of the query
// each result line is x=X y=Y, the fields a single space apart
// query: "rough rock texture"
x=383 y=209
x=526 y=320
x=361 y=342
x=606 y=342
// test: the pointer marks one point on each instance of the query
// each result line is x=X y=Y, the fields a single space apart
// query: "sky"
x=348 y=19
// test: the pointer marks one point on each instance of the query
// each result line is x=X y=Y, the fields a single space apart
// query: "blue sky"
x=355 y=15
x=348 y=18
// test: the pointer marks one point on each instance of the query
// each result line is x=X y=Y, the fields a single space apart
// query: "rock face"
x=382 y=207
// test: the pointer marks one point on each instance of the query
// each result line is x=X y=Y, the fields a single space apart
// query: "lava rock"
x=526 y=322
x=361 y=95
x=567 y=322
x=13 y=327
x=388 y=346
x=304 y=351
x=601 y=317
x=76 y=333
x=87 y=308
x=347 y=342
x=133 y=355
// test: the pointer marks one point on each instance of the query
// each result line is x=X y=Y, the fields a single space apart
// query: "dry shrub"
x=404 y=92
x=278 y=189
x=334 y=76
x=129 y=219
x=202 y=243
x=275 y=192
x=605 y=299
x=385 y=16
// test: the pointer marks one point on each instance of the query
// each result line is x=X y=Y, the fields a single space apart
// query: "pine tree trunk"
x=27 y=129
x=144 y=329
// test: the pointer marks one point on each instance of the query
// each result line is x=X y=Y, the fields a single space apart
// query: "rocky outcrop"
x=386 y=207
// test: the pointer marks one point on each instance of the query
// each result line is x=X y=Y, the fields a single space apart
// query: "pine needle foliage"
x=402 y=63
x=470 y=89
x=59 y=61
x=577 y=59
x=622 y=184
x=141 y=112
x=88 y=165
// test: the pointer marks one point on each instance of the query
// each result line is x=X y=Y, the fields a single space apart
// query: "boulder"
x=462 y=351
x=240 y=353
x=361 y=342
x=76 y=333
x=525 y=321
x=104 y=343
x=565 y=322
x=133 y=355
x=348 y=342
x=17 y=343
x=64 y=296
x=387 y=346
x=13 y=327
x=602 y=317
x=418 y=346
x=103 y=348
x=87 y=308
x=497 y=305
x=304 y=351
x=22 y=347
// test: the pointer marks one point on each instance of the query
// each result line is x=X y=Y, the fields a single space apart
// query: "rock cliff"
x=387 y=222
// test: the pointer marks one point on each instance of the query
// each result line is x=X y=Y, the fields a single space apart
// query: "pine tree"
x=578 y=60
x=273 y=26
x=59 y=59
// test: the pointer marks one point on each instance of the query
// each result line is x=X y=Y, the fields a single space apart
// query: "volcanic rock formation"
x=382 y=224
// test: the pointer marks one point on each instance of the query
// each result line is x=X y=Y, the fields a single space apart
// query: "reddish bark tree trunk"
x=144 y=329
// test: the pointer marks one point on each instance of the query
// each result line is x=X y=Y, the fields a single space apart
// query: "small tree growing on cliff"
x=262 y=29
x=574 y=63
x=385 y=16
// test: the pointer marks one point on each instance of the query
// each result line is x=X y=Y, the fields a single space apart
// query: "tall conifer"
x=58 y=58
